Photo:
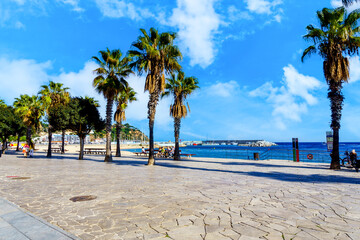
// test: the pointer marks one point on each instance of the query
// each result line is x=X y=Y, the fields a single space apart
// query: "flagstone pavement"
x=196 y=198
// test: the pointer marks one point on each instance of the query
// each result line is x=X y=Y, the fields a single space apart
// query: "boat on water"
x=210 y=144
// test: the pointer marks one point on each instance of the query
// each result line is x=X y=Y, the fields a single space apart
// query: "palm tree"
x=155 y=55
x=31 y=110
x=54 y=95
x=180 y=87
x=110 y=80
x=333 y=41
x=123 y=98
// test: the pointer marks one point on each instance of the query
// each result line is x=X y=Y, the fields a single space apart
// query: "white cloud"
x=350 y=8
x=19 y=25
x=223 y=89
x=289 y=101
x=197 y=22
x=121 y=8
x=21 y=76
x=19 y=2
x=262 y=6
x=74 y=4
x=338 y=3
x=354 y=69
x=236 y=14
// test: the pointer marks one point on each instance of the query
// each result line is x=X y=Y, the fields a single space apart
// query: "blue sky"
x=245 y=53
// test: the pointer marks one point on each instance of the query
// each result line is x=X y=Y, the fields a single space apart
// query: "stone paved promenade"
x=195 y=198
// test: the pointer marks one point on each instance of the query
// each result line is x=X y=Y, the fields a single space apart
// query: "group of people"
x=163 y=152
x=28 y=151
x=166 y=152
x=351 y=159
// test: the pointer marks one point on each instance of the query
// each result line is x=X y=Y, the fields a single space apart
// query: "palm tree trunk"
x=50 y=140
x=336 y=103
x=18 y=142
x=108 y=156
x=81 y=153
x=63 y=142
x=118 y=130
x=154 y=98
x=177 y=123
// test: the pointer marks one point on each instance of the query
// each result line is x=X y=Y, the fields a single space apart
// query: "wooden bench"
x=96 y=151
x=140 y=153
x=54 y=150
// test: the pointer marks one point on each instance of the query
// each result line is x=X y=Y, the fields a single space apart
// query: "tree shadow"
x=281 y=176
x=168 y=163
x=256 y=163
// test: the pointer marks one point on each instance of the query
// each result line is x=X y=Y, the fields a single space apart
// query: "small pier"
x=228 y=142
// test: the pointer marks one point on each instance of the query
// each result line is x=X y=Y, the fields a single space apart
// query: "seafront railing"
x=282 y=154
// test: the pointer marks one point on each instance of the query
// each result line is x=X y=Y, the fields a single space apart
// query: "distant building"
x=56 y=138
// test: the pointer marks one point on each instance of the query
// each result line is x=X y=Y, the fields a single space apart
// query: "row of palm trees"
x=32 y=109
x=155 y=55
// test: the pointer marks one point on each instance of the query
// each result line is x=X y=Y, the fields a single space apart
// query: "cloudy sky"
x=245 y=53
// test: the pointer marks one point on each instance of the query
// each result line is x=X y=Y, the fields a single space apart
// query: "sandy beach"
x=75 y=148
x=196 y=198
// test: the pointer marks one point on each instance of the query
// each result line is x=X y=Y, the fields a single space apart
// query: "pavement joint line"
x=42 y=221
x=15 y=228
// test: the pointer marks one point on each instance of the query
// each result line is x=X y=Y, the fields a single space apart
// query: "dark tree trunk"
x=63 y=142
x=153 y=101
x=28 y=135
x=336 y=103
x=108 y=156
x=18 y=142
x=50 y=140
x=177 y=123
x=81 y=153
x=118 y=130
x=4 y=145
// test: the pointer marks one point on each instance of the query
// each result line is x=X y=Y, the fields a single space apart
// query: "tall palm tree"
x=155 y=55
x=110 y=80
x=180 y=87
x=54 y=95
x=31 y=109
x=123 y=98
x=334 y=41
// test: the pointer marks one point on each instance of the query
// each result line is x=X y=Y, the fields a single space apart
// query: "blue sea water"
x=283 y=150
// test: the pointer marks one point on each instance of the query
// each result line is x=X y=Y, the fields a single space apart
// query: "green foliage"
x=128 y=132
x=111 y=74
x=31 y=109
x=59 y=117
x=155 y=54
x=180 y=87
x=84 y=117
x=10 y=123
x=53 y=95
x=125 y=96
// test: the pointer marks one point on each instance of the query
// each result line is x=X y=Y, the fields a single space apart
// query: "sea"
x=308 y=151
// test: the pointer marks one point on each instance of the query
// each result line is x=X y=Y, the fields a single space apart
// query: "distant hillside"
x=128 y=132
